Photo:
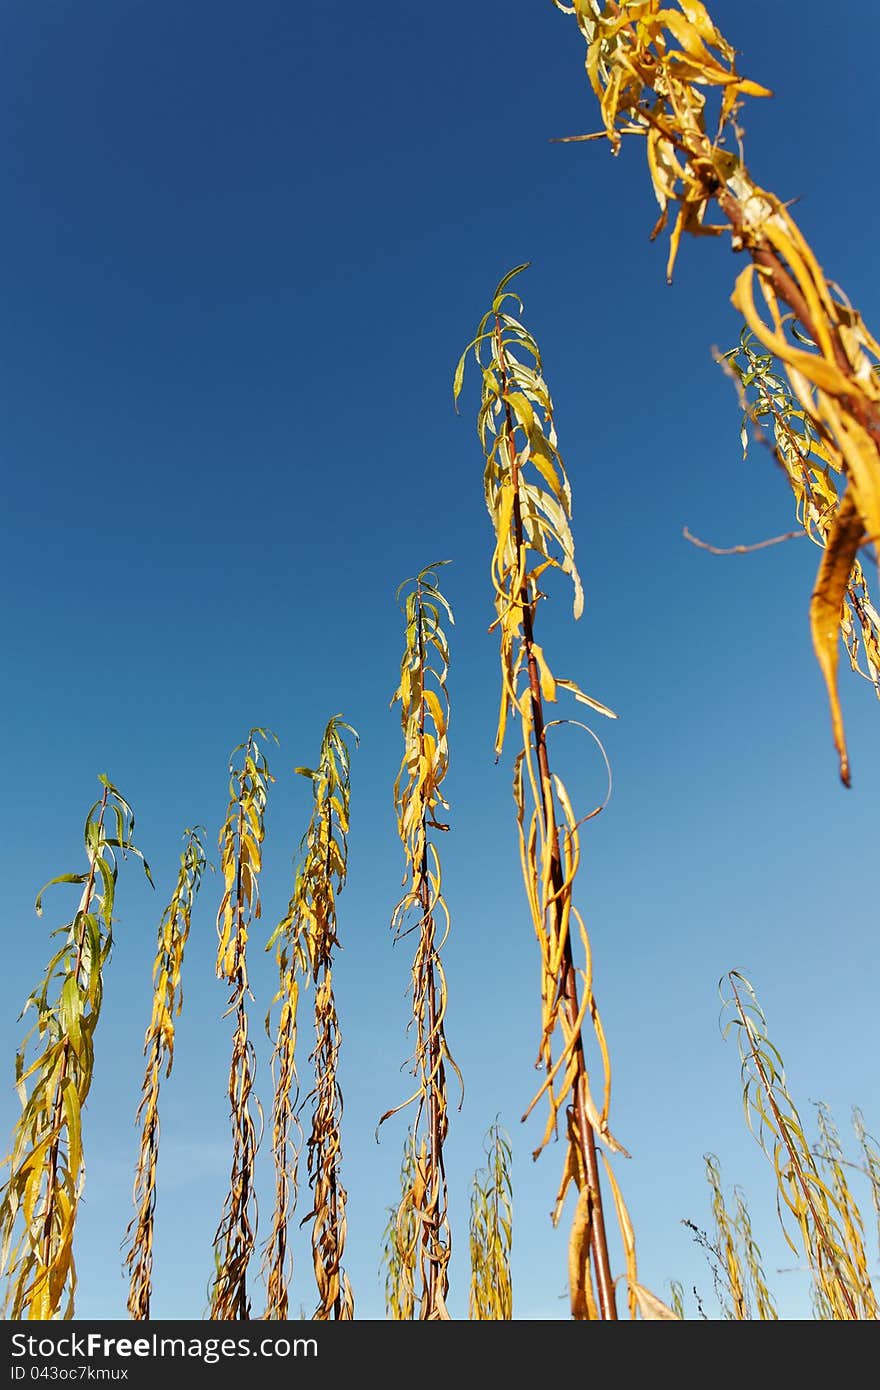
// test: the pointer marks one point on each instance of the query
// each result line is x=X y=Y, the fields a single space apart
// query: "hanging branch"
x=174 y=930
x=291 y=960
x=321 y=877
x=822 y=1211
x=529 y=501
x=726 y=1244
x=765 y=1308
x=39 y=1200
x=400 y=1243
x=241 y=840
x=809 y=466
x=491 y=1232
x=652 y=68
x=418 y=800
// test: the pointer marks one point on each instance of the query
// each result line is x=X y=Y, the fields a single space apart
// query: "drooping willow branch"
x=39 y=1200
x=418 y=801
x=529 y=502
x=809 y=465
x=491 y=1232
x=174 y=929
x=400 y=1243
x=320 y=878
x=651 y=66
x=286 y=1133
x=825 y=1214
x=241 y=840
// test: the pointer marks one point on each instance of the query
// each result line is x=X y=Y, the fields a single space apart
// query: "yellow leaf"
x=548 y=684
x=651 y=1307
x=844 y=539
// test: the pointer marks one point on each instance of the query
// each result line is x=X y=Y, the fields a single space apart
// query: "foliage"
x=734 y=1255
x=418 y=799
x=40 y=1198
x=278 y=1267
x=817 y=1209
x=810 y=466
x=400 y=1240
x=320 y=878
x=653 y=69
x=174 y=928
x=491 y=1232
x=241 y=839
x=529 y=502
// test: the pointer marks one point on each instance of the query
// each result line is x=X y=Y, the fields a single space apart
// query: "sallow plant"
x=174 y=929
x=818 y=1212
x=763 y=1302
x=652 y=65
x=491 y=1232
x=286 y=1130
x=400 y=1241
x=870 y=1156
x=726 y=1244
x=737 y=1263
x=776 y=418
x=39 y=1200
x=418 y=802
x=241 y=839
x=320 y=878
x=528 y=497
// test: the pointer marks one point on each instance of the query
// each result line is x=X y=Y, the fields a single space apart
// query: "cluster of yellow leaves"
x=39 y=1200
x=400 y=1242
x=418 y=799
x=651 y=66
x=529 y=502
x=320 y=877
x=491 y=1233
x=174 y=929
x=825 y=1214
x=285 y=1145
x=241 y=839
x=811 y=468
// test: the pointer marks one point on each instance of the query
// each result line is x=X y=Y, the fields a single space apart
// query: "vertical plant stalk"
x=531 y=513
x=39 y=1201
x=491 y=1233
x=830 y=1154
x=765 y=1308
x=871 y=1160
x=400 y=1242
x=241 y=839
x=418 y=800
x=174 y=930
x=822 y=1215
x=321 y=877
x=652 y=68
x=286 y=1132
x=726 y=1244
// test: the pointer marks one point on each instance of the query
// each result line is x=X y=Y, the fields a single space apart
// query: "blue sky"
x=241 y=254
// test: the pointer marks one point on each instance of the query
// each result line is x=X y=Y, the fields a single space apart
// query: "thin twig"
x=740 y=549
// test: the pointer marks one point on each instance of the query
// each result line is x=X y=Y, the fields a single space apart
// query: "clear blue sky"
x=242 y=250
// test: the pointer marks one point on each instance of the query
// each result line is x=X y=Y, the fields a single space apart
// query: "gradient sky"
x=242 y=249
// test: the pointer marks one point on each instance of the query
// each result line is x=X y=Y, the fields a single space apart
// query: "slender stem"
x=432 y=1062
x=52 y=1164
x=598 y=1236
x=792 y=1153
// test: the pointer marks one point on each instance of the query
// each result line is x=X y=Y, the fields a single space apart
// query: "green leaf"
x=62 y=878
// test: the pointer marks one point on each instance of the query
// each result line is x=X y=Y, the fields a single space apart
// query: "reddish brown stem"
x=569 y=991
x=433 y=1062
